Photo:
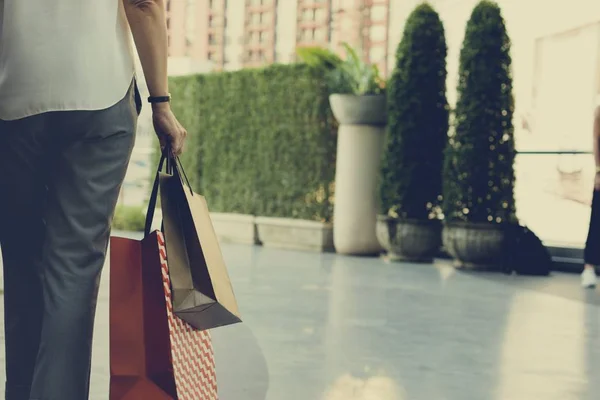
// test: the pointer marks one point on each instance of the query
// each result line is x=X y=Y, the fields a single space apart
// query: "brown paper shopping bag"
x=202 y=291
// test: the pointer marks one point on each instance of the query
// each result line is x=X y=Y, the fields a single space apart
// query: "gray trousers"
x=60 y=177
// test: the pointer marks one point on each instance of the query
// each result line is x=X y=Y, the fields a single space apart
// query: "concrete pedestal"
x=360 y=145
x=355 y=213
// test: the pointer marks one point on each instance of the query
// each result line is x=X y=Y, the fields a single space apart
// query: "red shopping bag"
x=191 y=350
x=154 y=355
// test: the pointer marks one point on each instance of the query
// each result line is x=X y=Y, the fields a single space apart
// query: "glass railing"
x=553 y=193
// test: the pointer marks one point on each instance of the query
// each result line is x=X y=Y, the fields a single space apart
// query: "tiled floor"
x=325 y=327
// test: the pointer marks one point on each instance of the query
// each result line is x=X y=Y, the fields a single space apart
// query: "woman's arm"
x=147 y=19
x=148 y=22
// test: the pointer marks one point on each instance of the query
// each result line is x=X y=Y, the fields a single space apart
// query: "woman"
x=68 y=113
x=592 y=246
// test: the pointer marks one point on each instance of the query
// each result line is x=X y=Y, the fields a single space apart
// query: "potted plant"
x=358 y=102
x=479 y=176
x=358 y=95
x=409 y=226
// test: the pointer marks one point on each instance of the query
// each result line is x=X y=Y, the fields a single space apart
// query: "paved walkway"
x=340 y=328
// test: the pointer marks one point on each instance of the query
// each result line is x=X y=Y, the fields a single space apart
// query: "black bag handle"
x=173 y=167
x=179 y=171
x=154 y=194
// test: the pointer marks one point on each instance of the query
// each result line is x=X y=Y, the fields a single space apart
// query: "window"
x=306 y=35
x=376 y=54
x=379 y=12
x=320 y=35
x=378 y=33
x=320 y=15
x=191 y=21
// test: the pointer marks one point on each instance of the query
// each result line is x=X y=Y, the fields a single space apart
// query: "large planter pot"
x=350 y=109
x=475 y=245
x=235 y=228
x=409 y=240
x=360 y=143
x=295 y=234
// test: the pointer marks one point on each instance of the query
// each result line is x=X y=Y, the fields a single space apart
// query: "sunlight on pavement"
x=531 y=333
x=446 y=271
x=348 y=387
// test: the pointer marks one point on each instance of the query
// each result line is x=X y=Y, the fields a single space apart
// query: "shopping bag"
x=191 y=350
x=202 y=291
x=154 y=355
x=140 y=360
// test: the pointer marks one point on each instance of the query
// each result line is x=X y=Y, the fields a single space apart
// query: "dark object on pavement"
x=525 y=252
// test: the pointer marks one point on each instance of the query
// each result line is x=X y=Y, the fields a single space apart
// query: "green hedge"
x=261 y=141
x=129 y=218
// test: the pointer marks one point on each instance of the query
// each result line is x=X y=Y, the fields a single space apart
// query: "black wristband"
x=159 y=99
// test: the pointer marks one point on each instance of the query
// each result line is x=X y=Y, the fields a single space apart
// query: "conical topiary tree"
x=479 y=161
x=411 y=176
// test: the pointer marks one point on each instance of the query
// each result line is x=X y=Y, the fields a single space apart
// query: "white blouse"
x=59 y=55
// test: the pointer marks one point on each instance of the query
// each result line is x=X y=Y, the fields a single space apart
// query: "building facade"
x=196 y=30
x=233 y=34
x=260 y=32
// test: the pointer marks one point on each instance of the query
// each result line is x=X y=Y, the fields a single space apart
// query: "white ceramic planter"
x=360 y=145
x=295 y=234
x=235 y=228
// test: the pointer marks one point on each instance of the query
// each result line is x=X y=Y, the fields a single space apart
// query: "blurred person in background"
x=592 y=245
x=68 y=114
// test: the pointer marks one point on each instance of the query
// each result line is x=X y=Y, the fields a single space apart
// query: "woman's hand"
x=597 y=181
x=168 y=129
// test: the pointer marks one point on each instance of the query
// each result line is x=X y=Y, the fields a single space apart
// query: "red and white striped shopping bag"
x=191 y=350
